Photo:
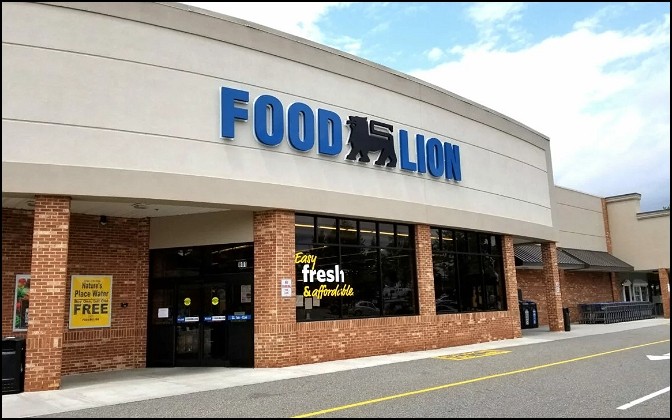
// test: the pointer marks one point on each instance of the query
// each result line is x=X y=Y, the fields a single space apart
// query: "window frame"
x=362 y=242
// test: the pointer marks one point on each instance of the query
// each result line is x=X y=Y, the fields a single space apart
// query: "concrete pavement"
x=108 y=388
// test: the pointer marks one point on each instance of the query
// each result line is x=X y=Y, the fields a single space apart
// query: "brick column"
x=48 y=285
x=511 y=285
x=615 y=287
x=274 y=316
x=607 y=230
x=549 y=258
x=425 y=269
x=664 y=278
x=141 y=293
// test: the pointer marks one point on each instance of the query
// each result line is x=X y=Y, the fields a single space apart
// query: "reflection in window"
x=398 y=290
x=327 y=232
x=348 y=232
x=176 y=262
x=202 y=260
x=367 y=233
x=305 y=229
x=468 y=271
x=374 y=280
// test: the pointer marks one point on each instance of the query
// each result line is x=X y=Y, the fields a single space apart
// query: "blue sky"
x=594 y=77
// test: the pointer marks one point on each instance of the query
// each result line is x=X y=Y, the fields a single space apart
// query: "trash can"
x=565 y=318
x=13 y=364
x=528 y=314
x=533 y=310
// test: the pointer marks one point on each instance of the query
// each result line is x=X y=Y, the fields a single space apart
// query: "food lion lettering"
x=300 y=124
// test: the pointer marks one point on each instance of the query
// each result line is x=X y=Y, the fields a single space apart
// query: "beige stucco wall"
x=641 y=239
x=200 y=229
x=122 y=100
x=580 y=220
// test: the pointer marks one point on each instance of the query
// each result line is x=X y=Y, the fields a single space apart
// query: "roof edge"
x=653 y=214
x=623 y=197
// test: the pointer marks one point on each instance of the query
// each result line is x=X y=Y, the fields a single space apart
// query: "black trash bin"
x=528 y=314
x=13 y=364
x=566 y=320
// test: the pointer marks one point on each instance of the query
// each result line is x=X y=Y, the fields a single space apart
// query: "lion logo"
x=365 y=138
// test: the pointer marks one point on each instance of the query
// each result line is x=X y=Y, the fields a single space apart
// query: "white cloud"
x=347 y=44
x=602 y=97
x=492 y=12
x=594 y=22
x=496 y=20
x=435 y=54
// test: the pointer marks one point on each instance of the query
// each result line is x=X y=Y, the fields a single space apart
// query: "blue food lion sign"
x=306 y=129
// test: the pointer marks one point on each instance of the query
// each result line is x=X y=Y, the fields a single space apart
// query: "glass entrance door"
x=215 y=327
x=241 y=322
x=188 y=332
x=213 y=324
x=200 y=306
x=161 y=331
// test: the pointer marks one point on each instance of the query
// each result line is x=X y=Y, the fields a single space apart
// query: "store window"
x=199 y=261
x=468 y=273
x=348 y=268
x=635 y=291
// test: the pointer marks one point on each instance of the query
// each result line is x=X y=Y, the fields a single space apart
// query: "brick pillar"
x=607 y=231
x=549 y=258
x=615 y=287
x=274 y=316
x=664 y=278
x=511 y=285
x=141 y=293
x=425 y=269
x=48 y=285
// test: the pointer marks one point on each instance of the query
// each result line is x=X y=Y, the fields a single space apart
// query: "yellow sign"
x=90 y=301
x=187 y=301
x=474 y=354
x=215 y=300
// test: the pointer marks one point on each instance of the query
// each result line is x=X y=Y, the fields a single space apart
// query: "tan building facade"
x=187 y=189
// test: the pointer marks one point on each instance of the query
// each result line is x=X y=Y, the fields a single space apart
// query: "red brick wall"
x=17 y=243
x=44 y=340
x=274 y=316
x=549 y=258
x=615 y=288
x=664 y=278
x=424 y=270
x=511 y=278
x=281 y=341
x=584 y=287
x=531 y=283
x=120 y=249
x=576 y=287
x=334 y=340
x=344 y=339
x=607 y=232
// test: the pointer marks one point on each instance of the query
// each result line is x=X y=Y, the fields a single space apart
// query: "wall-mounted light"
x=103 y=220
x=124 y=304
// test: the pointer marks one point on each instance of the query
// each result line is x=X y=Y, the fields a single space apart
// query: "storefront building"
x=182 y=188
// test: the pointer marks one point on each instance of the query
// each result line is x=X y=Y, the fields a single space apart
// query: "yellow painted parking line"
x=469 y=381
x=473 y=354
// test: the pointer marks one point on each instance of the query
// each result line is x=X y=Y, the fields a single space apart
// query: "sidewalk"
x=108 y=388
